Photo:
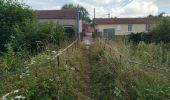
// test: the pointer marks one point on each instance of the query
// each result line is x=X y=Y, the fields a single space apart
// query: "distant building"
x=123 y=26
x=67 y=18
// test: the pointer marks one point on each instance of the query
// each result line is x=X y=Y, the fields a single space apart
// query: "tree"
x=12 y=13
x=161 y=31
x=84 y=13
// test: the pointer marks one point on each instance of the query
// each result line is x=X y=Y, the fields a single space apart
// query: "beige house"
x=123 y=26
x=67 y=18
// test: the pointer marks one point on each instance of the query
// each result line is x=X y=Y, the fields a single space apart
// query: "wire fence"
x=12 y=76
x=23 y=70
x=144 y=65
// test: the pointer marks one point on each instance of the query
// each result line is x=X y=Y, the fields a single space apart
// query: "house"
x=67 y=18
x=87 y=28
x=123 y=26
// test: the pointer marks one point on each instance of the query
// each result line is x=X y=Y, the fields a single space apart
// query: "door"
x=109 y=33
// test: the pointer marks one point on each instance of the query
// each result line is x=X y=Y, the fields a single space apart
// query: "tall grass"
x=47 y=80
x=114 y=78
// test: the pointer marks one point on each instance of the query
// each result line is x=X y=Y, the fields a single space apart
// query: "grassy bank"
x=113 y=77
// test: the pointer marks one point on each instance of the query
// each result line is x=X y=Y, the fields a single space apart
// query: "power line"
x=124 y=5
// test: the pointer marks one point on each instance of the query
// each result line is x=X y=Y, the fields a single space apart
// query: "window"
x=130 y=28
x=147 y=27
x=68 y=26
x=118 y=27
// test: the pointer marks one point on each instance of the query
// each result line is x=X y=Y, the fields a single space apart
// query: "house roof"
x=56 y=14
x=148 y=20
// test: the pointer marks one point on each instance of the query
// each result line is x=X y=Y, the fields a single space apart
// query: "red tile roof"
x=148 y=20
x=56 y=14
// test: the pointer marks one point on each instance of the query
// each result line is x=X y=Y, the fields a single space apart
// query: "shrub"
x=69 y=32
x=12 y=13
x=35 y=35
x=161 y=31
x=138 y=37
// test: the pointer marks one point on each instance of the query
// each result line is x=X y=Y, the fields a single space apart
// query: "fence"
x=165 y=69
x=13 y=77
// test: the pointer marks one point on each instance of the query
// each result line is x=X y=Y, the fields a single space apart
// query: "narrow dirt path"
x=85 y=71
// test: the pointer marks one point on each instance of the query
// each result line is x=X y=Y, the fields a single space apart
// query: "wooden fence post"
x=58 y=60
x=120 y=58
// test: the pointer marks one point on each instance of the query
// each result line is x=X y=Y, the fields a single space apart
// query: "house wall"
x=122 y=29
x=63 y=22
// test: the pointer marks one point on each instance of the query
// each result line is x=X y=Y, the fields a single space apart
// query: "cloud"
x=134 y=8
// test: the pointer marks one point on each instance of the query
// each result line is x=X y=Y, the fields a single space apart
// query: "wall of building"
x=63 y=22
x=122 y=29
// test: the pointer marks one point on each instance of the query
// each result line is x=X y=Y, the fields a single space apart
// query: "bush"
x=12 y=13
x=70 y=33
x=35 y=35
x=138 y=37
x=161 y=31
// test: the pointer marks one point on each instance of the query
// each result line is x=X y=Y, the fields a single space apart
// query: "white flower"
x=54 y=52
x=19 y=97
x=117 y=91
x=66 y=66
x=72 y=68
x=51 y=79
x=20 y=76
x=32 y=61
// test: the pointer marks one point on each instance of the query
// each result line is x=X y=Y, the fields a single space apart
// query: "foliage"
x=83 y=11
x=70 y=33
x=138 y=37
x=113 y=76
x=34 y=36
x=12 y=13
x=11 y=60
x=161 y=31
x=47 y=81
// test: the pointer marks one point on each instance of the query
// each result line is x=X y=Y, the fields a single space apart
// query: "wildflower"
x=117 y=91
x=32 y=61
x=51 y=80
x=19 y=97
x=66 y=66
x=72 y=68
x=20 y=76
x=54 y=52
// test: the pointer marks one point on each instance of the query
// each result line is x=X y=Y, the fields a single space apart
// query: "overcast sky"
x=116 y=8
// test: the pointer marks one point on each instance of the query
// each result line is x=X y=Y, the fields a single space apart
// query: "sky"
x=116 y=8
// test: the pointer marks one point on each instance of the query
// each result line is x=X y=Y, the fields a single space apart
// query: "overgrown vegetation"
x=23 y=36
x=113 y=76
x=48 y=80
x=160 y=32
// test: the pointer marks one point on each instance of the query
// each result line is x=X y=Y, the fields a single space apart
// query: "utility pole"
x=94 y=19
x=108 y=15
x=78 y=25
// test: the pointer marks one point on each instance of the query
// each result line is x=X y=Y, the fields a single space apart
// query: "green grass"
x=112 y=79
x=48 y=80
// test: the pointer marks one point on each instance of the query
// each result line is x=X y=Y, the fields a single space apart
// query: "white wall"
x=122 y=29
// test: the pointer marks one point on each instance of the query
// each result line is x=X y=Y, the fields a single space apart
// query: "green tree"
x=83 y=11
x=12 y=13
x=161 y=31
